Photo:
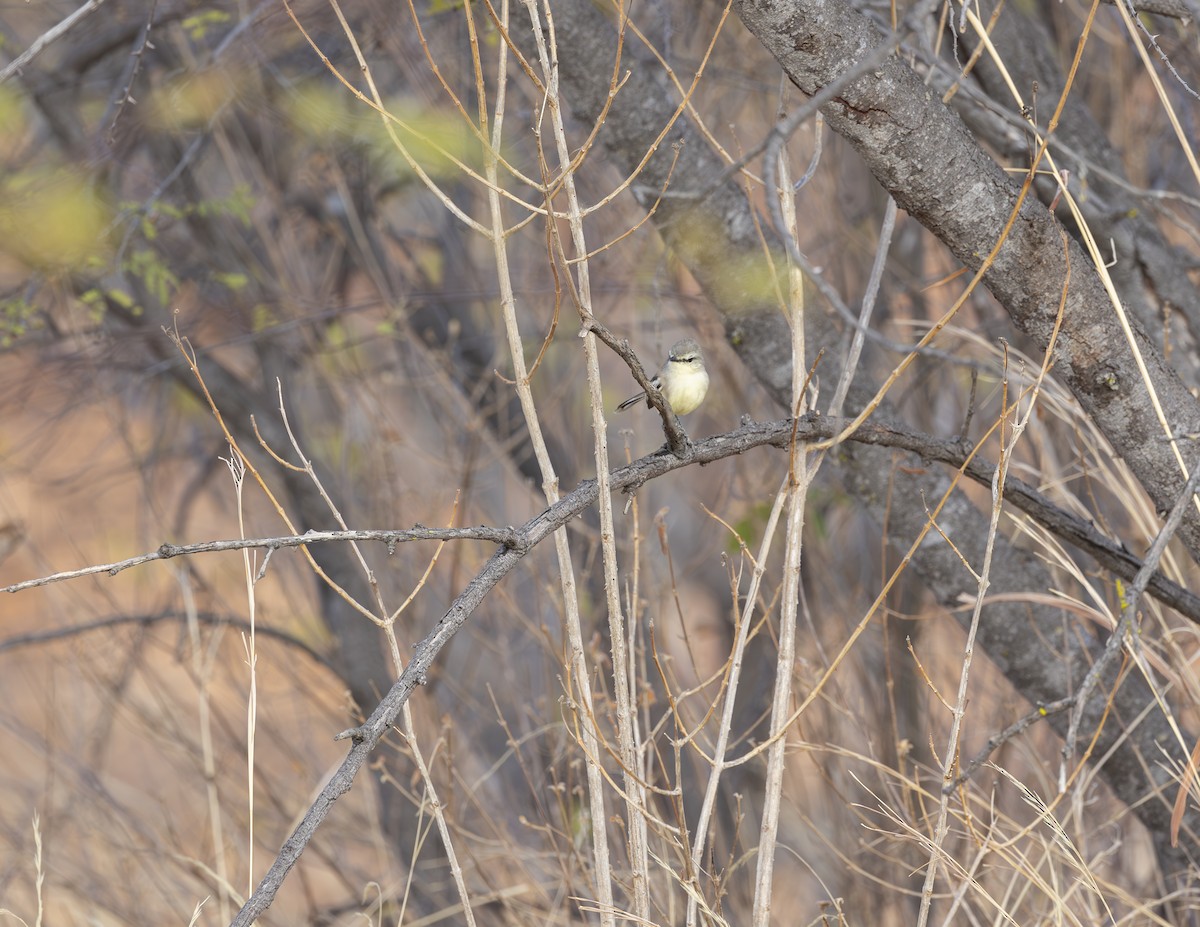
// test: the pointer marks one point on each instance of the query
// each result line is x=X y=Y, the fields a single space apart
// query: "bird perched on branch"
x=682 y=379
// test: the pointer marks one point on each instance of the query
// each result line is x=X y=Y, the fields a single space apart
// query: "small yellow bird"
x=682 y=379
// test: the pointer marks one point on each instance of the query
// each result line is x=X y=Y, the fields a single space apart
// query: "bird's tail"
x=631 y=401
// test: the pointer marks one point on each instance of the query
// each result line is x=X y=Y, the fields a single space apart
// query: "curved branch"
x=626 y=479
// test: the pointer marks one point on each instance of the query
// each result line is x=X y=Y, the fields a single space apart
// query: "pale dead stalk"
x=237 y=469
x=579 y=670
x=724 y=731
x=630 y=755
x=799 y=476
x=202 y=666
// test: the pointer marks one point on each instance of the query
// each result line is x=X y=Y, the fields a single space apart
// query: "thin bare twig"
x=1020 y=726
x=133 y=66
x=504 y=536
x=46 y=38
x=677 y=439
x=1124 y=627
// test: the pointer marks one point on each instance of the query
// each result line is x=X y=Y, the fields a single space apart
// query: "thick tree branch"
x=628 y=478
x=924 y=156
